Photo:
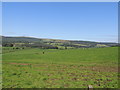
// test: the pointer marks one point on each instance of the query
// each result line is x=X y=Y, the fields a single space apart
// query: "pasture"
x=71 y=68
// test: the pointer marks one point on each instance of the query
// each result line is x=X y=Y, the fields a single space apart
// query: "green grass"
x=71 y=68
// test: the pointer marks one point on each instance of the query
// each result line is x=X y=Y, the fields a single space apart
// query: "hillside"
x=40 y=42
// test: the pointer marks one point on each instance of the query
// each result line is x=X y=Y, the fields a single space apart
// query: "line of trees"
x=35 y=45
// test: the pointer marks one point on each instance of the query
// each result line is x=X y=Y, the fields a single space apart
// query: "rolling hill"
x=31 y=41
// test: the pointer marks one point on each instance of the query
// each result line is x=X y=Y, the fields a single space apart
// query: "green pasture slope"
x=71 y=68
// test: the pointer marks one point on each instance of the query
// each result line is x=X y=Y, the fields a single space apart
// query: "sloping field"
x=72 y=68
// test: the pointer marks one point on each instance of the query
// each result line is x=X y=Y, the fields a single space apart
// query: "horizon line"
x=61 y=39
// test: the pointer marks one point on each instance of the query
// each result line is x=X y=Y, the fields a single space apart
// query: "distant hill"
x=54 y=42
x=20 y=39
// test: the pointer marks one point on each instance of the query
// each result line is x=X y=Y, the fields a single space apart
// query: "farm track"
x=63 y=67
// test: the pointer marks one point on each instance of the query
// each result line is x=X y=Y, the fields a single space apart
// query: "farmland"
x=68 y=68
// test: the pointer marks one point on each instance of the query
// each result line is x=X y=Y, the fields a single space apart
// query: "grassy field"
x=71 y=68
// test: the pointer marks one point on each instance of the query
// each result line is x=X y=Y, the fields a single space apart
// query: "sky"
x=91 y=21
x=0 y=18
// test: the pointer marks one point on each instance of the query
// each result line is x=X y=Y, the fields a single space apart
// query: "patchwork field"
x=71 y=68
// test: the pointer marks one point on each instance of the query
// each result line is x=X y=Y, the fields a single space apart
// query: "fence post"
x=90 y=87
